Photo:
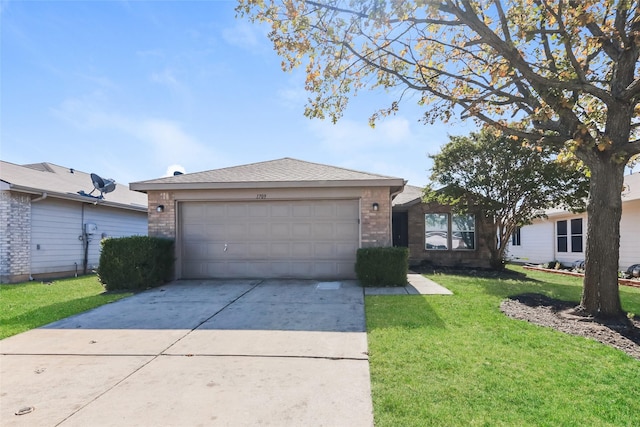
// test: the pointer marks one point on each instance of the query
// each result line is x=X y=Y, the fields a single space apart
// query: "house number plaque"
x=261 y=196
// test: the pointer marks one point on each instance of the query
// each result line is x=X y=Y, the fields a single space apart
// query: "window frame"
x=462 y=232
x=570 y=235
x=449 y=232
x=434 y=230
x=516 y=237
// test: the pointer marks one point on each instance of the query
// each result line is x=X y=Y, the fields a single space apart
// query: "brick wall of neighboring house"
x=15 y=235
x=478 y=258
x=375 y=225
x=162 y=224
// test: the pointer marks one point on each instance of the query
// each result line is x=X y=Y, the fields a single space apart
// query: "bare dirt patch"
x=545 y=311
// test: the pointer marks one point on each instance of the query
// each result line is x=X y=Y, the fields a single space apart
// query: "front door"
x=400 y=229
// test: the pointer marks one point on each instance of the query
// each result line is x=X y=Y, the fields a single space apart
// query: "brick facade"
x=15 y=235
x=162 y=224
x=376 y=225
x=478 y=258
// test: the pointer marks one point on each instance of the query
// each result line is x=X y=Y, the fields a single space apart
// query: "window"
x=436 y=231
x=457 y=234
x=569 y=235
x=576 y=235
x=561 y=232
x=463 y=230
x=515 y=237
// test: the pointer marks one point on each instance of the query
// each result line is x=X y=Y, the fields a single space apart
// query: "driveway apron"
x=197 y=353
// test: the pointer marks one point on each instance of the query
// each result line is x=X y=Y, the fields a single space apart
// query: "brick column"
x=15 y=235
x=376 y=225
x=162 y=224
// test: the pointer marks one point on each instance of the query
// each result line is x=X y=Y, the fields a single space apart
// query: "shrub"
x=135 y=263
x=382 y=266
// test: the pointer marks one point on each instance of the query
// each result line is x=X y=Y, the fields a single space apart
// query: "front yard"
x=28 y=305
x=459 y=361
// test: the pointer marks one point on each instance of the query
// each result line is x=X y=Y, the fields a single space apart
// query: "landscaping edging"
x=625 y=282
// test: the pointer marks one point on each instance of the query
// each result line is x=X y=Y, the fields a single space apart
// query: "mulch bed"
x=545 y=311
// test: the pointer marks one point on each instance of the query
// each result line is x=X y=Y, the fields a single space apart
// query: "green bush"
x=382 y=266
x=135 y=263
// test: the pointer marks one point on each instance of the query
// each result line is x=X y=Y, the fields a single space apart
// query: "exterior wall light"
x=376 y=207
x=160 y=208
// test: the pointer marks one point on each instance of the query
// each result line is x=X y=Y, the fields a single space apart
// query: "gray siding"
x=57 y=229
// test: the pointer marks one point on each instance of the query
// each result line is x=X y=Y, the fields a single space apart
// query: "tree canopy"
x=512 y=182
x=561 y=74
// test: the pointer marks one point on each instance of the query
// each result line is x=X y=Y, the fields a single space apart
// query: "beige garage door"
x=277 y=239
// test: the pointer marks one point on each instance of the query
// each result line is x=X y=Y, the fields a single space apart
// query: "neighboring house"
x=561 y=235
x=436 y=235
x=281 y=218
x=49 y=230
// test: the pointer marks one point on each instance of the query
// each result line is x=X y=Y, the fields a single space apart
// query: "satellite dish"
x=102 y=185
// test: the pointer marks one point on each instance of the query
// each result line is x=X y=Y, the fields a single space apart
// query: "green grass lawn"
x=458 y=361
x=28 y=305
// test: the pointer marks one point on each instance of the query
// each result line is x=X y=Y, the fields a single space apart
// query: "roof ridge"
x=41 y=167
x=339 y=167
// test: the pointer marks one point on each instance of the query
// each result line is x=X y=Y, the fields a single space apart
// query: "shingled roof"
x=64 y=183
x=286 y=172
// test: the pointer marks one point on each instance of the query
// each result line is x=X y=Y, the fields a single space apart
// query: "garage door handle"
x=225 y=247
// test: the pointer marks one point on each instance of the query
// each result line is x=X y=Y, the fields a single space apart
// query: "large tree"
x=560 y=73
x=513 y=182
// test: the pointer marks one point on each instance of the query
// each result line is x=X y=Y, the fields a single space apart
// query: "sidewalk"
x=418 y=285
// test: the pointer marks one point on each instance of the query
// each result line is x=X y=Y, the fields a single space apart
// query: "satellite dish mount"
x=103 y=185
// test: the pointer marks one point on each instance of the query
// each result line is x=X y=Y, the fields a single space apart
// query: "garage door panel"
x=258 y=250
x=280 y=211
x=323 y=231
x=346 y=231
x=302 y=250
x=280 y=231
x=257 y=230
x=193 y=232
x=324 y=250
x=195 y=251
x=281 y=250
x=237 y=210
x=303 y=239
x=301 y=231
x=347 y=210
x=212 y=231
x=324 y=211
x=345 y=250
x=302 y=211
x=258 y=210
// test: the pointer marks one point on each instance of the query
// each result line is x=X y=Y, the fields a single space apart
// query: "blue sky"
x=128 y=89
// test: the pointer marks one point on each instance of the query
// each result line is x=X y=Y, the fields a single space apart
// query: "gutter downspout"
x=37 y=199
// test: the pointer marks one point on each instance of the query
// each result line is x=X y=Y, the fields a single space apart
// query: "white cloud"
x=247 y=36
x=165 y=77
x=165 y=140
x=351 y=135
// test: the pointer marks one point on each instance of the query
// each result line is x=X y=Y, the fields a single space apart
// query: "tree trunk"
x=600 y=295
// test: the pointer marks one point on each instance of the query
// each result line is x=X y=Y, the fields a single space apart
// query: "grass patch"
x=28 y=305
x=458 y=361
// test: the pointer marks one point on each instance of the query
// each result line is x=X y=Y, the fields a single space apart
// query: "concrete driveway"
x=197 y=353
